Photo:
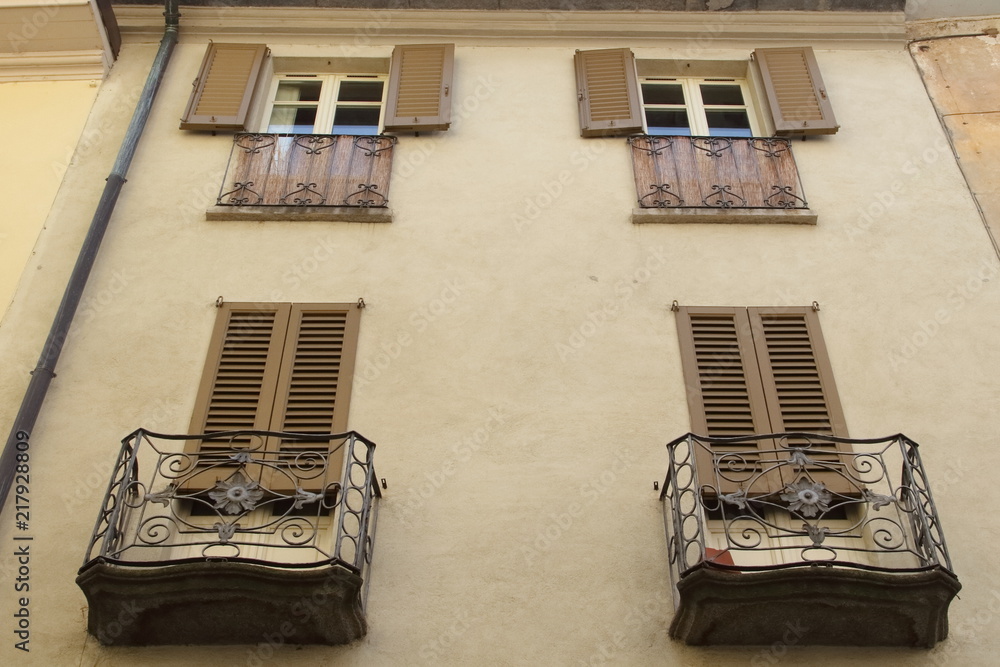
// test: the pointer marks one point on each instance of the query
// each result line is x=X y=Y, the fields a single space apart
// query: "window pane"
x=667 y=122
x=728 y=124
x=292 y=120
x=713 y=94
x=298 y=91
x=360 y=91
x=356 y=120
x=662 y=93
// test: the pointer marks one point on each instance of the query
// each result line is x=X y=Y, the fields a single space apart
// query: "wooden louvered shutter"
x=798 y=383
x=238 y=385
x=420 y=81
x=225 y=87
x=314 y=388
x=608 y=92
x=724 y=392
x=795 y=91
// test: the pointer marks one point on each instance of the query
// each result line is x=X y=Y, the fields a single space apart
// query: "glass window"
x=700 y=107
x=327 y=104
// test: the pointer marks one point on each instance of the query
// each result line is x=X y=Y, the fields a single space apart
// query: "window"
x=702 y=98
x=415 y=95
x=758 y=371
x=277 y=367
x=697 y=107
x=327 y=104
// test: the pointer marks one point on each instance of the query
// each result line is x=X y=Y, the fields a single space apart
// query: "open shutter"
x=724 y=393
x=314 y=388
x=608 y=92
x=225 y=87
x=795 y=91
x=237 y=386
x=798 y=384
x=420 y=80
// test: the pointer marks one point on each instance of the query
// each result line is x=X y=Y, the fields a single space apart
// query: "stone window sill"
x=723 y=216
x=300 y=213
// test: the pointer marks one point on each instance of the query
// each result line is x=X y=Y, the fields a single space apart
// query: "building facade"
x=732 y=223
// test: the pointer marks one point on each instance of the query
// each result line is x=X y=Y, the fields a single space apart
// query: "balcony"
x=717 y=179
x=768 y=534
x=200 y=541
x=306 y=177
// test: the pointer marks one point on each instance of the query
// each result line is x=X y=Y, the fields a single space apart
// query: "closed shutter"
x=753 y=371
x=225 y=87
x=795 y=91
x=280 y=367
x=315 y=382
x=725 y=392
x=799 y=388
x=420 y=81
x=608 y=92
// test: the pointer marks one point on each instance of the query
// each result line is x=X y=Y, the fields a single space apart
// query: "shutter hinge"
x=675 y=306
x=361 y=303
x=815 y=306
x=219 y=302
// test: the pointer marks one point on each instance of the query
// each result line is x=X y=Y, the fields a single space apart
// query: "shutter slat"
x=225 y=87
x=420 y=81
x=608 y=92
x=795 y=91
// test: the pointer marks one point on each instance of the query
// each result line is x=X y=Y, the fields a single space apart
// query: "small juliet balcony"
x=203 y=541
x=306 y=176
x=717 y=179
x=837 y=541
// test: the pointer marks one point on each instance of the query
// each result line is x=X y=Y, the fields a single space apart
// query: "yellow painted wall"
x=512 y=240
x=40 y=125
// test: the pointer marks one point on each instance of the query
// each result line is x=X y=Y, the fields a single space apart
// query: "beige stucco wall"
x=42 y=122
x=511 y=244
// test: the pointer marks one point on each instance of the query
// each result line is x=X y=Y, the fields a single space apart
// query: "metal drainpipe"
x=42 y=376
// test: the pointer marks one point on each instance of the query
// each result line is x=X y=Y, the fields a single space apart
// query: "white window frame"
x=327 y=105
x=695 y=106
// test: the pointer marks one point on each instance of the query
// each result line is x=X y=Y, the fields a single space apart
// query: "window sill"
x=299 y=213
x=723 y=216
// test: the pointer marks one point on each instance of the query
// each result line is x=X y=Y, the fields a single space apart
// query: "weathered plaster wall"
x=538 y=314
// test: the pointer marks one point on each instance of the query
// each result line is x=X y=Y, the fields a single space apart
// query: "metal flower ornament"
x=806 y=497
x=236 y=494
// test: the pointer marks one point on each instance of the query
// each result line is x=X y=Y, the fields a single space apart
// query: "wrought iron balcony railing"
x=308 y=170
x=179 y=507
x=716 y=172
x=855 y=517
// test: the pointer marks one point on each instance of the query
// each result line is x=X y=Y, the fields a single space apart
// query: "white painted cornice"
x=368 y=26
x=52 y=66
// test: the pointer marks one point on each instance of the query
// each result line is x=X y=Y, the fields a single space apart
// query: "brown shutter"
x=798 y=383
x=608 y=92
x=238 y=384
x=314 y=388
x=420 y=81
x=795 y=91
x=225 y=87
x=724 y=391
